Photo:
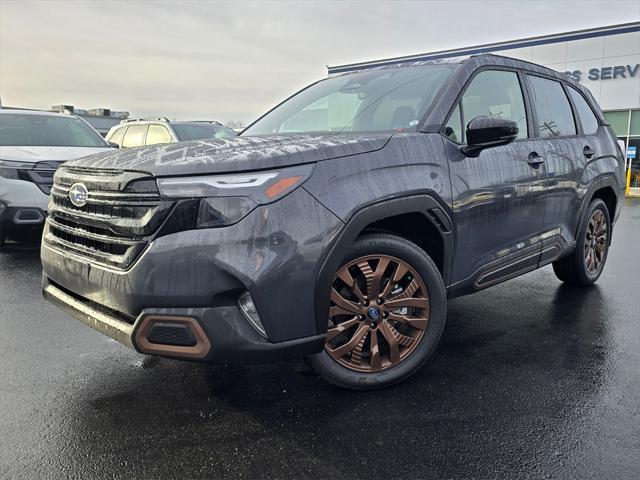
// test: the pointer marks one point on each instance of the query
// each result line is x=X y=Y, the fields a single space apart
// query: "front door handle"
x=535 y=160
x=588 y=151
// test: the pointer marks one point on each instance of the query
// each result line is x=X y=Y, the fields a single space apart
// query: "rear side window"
x=585 y=114
x=117 y=136
x=552 y=107
x=158 y=134
x=134 y=136
x=494 y=93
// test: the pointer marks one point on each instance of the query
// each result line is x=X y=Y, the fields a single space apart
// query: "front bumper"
x=14 y=218
x=23 y=207
x=228 y=337
x=273 y=253
x=20 y=193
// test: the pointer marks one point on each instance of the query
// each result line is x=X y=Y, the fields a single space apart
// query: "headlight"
x=226 y=199
x=11 y=169
x=263 y=187
x=221 y=211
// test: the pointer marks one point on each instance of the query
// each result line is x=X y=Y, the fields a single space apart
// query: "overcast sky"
x=233 y=60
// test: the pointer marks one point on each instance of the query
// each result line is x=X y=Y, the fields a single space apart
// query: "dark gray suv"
x=337 y=225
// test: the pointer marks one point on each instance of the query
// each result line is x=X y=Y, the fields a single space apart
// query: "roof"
x=492 y=47
x=22 y=111
x=471 y=63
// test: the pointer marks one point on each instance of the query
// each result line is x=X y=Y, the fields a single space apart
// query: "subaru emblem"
x=78 y=194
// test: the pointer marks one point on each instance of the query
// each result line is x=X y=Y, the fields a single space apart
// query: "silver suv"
x=137 y=132
x=33 y=144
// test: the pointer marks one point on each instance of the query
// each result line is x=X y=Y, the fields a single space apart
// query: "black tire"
x=409 y=253
x=574 y=269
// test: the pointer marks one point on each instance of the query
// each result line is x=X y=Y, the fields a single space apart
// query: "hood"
x=234 y=154
x=40 y=154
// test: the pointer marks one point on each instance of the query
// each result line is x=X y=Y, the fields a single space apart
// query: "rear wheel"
x=387 y=314
x=585 y=265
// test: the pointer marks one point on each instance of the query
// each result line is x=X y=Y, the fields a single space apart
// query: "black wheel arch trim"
x=602 y=181
x=424 y=203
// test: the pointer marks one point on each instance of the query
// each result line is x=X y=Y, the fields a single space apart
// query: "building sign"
x=631 y=152
x=607 y=73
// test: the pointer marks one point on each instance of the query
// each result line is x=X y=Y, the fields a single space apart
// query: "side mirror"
x=113 y=145
x=486 y=132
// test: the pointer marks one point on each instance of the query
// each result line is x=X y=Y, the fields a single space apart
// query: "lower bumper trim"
x=143 y=331
x=118 y=330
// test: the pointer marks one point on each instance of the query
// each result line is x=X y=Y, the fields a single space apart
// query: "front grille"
x=115 y=225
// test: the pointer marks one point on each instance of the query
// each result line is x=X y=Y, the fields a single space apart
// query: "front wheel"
x=387 y=314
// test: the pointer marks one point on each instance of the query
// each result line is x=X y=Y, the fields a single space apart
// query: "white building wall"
x=594 y=53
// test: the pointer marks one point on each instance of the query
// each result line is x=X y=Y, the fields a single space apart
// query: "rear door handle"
x=588 y=152
x=535 y=160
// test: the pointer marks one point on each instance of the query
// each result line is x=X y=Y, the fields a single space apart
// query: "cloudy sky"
x=233 y=60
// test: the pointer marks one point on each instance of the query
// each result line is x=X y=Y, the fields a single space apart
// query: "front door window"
x=494 y=93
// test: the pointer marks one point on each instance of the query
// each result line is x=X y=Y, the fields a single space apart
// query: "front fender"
x=424 y=204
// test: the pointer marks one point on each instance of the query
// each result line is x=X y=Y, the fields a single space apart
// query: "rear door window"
x=585 y=114
x=553 y=111
x=158 y=134
x=134 y=136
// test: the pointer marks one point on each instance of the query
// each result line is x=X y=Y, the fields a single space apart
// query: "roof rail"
x=215 y=122
x=157 y=119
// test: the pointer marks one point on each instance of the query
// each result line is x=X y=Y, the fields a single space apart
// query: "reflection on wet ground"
x=533 y=378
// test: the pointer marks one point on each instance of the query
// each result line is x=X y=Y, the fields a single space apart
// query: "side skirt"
x=513 y=265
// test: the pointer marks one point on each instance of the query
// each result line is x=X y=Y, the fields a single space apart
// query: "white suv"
x=139 y=132
x=33 y=144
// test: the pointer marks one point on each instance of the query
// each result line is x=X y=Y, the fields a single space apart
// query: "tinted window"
x=554 y=115
x=134 y=136
x=117 y=135
x=497 y=94
x=158 y=134
x=201 y=131
x=585 y=114
x=47 y=131
x=494 y=93
x=453 y=129
x=375 y=100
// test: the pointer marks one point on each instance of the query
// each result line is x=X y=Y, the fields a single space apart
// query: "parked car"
x=32 y=145
x=137 y=132
x=338 y=224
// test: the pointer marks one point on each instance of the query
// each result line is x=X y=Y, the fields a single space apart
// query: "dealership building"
x=606 y=60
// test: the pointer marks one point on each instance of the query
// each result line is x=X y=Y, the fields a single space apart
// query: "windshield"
x=392 y=99
x=201 y=131
x=29 y=130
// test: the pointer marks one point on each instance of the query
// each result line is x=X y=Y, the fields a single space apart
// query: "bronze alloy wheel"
x=379 y=313
x=595 y=244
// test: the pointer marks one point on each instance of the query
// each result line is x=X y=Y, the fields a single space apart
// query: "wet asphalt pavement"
x=532 y=379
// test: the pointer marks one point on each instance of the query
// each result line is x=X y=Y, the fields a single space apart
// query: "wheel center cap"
x=373 y=313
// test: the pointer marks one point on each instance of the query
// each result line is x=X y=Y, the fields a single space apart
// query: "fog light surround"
x=248 y=309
